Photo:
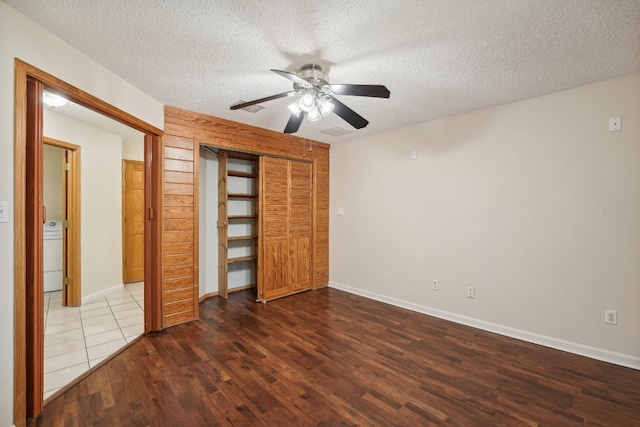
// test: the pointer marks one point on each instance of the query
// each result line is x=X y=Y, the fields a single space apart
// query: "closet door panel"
x=300 y=199
x=286 y=227
x=300 y=263
x=274 y=280
x=275 y=190
x=276 y=277
x=300 y=225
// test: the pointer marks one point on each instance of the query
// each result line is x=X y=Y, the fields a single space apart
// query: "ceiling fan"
x=317 y=98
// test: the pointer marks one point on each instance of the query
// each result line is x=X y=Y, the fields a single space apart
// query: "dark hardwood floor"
x=329 y=358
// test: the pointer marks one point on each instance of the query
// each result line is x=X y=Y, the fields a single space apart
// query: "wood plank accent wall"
x=184 y=131
x=179 y=290
x=321 y=223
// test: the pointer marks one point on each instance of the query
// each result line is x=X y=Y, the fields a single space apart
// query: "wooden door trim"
x=73 y=261
x=33 y=217
x=223 y=225
x=153 y=201
x=153 y=242
x=19 y=249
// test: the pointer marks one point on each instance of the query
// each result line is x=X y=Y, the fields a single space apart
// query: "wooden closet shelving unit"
x=244 y=217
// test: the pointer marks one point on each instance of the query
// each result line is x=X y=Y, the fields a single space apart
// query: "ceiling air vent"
x=251 y=108
x=337 y=131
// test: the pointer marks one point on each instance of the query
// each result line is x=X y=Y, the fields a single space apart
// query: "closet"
x=265 y=208
x=290 y=234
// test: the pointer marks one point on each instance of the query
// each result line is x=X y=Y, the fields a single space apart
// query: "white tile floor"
x=78 y=338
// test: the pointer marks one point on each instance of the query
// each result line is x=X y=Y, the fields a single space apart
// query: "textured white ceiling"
x=437 y=57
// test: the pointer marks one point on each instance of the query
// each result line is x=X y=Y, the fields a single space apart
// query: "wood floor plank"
x=328 y=358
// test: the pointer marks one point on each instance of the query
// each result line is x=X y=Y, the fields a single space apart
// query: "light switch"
x=414 y=154
x=4 y=211
x=341 y=211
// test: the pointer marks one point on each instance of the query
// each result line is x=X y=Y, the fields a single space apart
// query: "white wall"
x=208 y=238
x=534 y=203
x=100 y=200
x=22 y=38
x=133 y=150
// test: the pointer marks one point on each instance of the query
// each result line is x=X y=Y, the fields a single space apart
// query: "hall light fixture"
x=53 y=100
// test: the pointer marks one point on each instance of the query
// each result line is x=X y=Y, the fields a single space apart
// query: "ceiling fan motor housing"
x=313 y=74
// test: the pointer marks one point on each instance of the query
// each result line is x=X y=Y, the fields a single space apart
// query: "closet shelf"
x=241 y=259
x=241 y=174
x=232 y=238
x=241 y=196
x=242 y=216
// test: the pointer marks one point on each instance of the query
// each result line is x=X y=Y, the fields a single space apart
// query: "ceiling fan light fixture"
x=325 y=106
x=314 y=114
x=307 y=102
x=295 y=108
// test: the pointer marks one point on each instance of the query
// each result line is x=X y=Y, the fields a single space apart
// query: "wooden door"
x=285 y=224
x=300 y=225
x=133 y=221
x=72 y=295
x=274 y=210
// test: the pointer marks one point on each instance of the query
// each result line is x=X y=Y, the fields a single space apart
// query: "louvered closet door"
x=285 y=227
x=274 y=209
x=300 y=225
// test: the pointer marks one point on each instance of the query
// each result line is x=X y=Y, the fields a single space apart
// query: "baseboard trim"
x=230 y=291
x=208 y=295
x=570 y=347
x=241 y=288
x=102 y=293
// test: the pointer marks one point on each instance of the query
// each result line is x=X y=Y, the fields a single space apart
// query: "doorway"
x=30 y=83
x=111 y=315
x=61 y=193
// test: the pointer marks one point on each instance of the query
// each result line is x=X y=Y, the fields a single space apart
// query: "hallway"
x=78 y=338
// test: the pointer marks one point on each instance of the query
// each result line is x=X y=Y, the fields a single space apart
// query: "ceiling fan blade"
x=291 y=76
x=348 y=115
x=376 y=91
x=261 y=100
x=294 y=122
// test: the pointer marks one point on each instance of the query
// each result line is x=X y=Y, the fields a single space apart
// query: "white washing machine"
x=52 y=248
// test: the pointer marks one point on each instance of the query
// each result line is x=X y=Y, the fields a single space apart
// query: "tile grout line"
x=114 y=318
x=84 y=338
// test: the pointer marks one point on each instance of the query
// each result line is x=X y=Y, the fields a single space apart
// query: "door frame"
x=28 y=315
x=72 y=293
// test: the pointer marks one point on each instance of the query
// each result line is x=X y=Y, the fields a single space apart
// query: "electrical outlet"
x=434 y=285
x=471 y=292
x=611 y=317
x=4 y=211
x=615 y=123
